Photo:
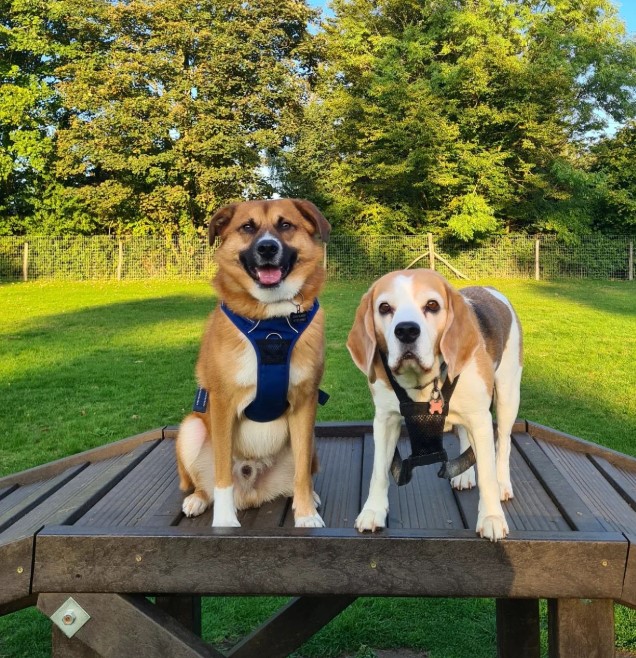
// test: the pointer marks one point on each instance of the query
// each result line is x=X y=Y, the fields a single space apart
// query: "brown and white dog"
x=269 y=266
x=420 y=322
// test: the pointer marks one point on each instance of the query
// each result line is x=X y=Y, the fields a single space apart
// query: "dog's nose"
x=246 y=470
x=407 y=332
x=267 y=248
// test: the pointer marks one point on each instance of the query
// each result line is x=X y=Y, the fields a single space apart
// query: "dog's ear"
x=362 y=343
x=220 y=220
x=460 y=338
x=309 y=211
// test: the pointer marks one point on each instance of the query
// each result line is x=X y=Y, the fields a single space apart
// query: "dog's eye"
x=432 y=306
x=284 y=225
x=385 y=308
x=249 y=227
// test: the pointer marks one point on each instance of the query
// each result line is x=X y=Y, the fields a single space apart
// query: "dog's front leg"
x=222 y=424
x=301 y=429
x=386 y=432
x=491 y=521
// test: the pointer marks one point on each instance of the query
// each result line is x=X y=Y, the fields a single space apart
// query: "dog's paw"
x=229 y=521
x=317 y=500
x=465 y=480
x=505 y=491
x=493 y=527
x=313 y=521
x=370 y=519
x=193 y=505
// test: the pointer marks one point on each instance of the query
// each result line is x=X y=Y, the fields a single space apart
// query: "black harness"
x=425 y=426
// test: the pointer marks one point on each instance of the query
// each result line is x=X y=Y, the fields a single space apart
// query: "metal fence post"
x=631 y=260
x=537 y=273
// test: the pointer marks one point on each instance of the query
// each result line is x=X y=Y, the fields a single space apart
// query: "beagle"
x=427 y=330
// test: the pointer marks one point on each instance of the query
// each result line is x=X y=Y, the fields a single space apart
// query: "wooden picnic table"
x=99 y=531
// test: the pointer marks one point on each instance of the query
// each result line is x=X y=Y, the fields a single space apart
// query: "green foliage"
x=616 y=164
x=461 y=117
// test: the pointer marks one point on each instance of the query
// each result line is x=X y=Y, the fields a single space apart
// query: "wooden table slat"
x=140 y=497
x=609 y=507
x=575 y=511
x=24 y=499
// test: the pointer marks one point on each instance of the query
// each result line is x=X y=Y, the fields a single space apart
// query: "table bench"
x=101 y=530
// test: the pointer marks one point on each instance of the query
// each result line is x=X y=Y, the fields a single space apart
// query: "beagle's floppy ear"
x=309 y=211
x=362 y=343
x=460 y=338
x=219 y=221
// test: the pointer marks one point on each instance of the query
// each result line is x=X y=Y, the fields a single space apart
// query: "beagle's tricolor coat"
x=424 y=326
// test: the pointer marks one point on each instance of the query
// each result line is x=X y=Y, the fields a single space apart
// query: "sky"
x=627 y=11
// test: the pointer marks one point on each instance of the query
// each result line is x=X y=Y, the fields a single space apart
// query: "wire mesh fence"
x=346 y=257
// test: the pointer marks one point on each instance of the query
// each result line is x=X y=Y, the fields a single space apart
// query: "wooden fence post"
x=537 y=272
x=120 y=259
x=631 y=260
x=25 y=262
x=431 y=250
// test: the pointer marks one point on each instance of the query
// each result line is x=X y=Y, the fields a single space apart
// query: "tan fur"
x=224 y=349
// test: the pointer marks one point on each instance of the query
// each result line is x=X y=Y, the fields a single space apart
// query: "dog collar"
x=273 y=340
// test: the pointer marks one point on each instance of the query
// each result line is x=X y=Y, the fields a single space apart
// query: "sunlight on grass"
x=83 y=364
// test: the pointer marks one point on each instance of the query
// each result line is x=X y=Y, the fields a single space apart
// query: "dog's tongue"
x=269 y=276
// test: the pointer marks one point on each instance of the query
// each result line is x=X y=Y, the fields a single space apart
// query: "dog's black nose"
x=407 y=332
x=267 y=248
x=246 y=470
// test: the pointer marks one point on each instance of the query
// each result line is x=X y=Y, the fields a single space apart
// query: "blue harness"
x=273 y=340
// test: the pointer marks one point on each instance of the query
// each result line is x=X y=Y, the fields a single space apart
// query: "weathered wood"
x=130 y=626
x=329 y=561
x=340 y=466
x=577 y=514
x=185 y=609
x=290 y=627
x=628 y=596
x=518 y=632
x=95 y=454
x=611 y=510
x=147 y=496
x=623 y=481
x=64 y=647
x=581 y=445
x=24 y=499
x=15 y=570
x=18 y=604
x=581 y=627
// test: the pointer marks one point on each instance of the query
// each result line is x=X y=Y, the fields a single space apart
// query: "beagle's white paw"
x=493 y=527
x=465 y=480
x=505 y=491
x=370 y=519
x=193 y=505
x=222 y=521
x=313 y=521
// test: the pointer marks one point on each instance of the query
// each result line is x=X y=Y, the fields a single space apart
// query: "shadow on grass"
x=616 y=297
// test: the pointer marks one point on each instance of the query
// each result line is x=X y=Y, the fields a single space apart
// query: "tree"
x=616 y=163
x=462 y=116
x=28 y=105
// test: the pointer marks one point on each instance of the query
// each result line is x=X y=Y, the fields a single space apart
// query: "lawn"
x=82 y=364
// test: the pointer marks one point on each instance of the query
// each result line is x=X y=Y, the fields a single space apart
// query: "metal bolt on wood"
x=20 y=569
x=70 y=617
x=138 y=558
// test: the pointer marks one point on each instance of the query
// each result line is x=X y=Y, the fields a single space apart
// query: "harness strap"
x=425 y=429
x=273 y=340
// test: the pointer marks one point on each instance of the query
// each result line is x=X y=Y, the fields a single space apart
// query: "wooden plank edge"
x=99 y=453
x=581 y=445
x=617 y=480
x=18 y=604
x=341 y=564
x=628 y=596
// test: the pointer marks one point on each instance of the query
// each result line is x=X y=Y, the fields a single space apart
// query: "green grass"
x=82 y=364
